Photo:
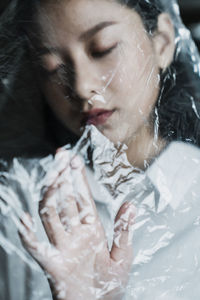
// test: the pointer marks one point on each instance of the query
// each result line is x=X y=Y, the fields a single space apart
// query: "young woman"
x=110 y=64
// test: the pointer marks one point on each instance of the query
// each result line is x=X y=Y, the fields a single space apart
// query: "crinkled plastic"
x=109 y=210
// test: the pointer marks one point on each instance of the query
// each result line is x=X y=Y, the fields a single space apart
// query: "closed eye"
x=60 y=71
x=55 y=71
x=100 y=54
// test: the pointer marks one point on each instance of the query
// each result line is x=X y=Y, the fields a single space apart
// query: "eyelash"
x=101 y=54
x=51 y=74
x=95 y=54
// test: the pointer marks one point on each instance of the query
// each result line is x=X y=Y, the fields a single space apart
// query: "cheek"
x=136 y=82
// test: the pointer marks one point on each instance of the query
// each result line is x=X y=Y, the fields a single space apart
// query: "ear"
x=164 y=41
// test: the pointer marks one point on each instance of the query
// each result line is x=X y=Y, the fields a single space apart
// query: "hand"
x=76 y=259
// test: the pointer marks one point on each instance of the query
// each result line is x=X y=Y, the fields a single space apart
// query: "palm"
x=77 y=258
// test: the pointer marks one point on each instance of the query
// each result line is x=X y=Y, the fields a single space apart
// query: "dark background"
x=190 y=12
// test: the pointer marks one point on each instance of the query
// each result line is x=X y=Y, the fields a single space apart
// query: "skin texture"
x=120 y=63
x=77 y=258
x=95 y=54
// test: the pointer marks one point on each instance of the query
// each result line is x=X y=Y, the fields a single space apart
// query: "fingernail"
x=22 y=230
x=76 y=162
x=62 y=155
x=28 y=221
x=127 y=219
x=61 y=161
x=59 y=150
x=132 y=211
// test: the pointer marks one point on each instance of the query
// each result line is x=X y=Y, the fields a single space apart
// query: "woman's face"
x=100 y=66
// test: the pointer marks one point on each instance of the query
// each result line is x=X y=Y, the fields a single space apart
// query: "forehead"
x=73 y=16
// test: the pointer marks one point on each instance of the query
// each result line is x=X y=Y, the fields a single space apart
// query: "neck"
x=144 y=148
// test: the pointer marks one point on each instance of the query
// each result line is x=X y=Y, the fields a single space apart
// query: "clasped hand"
x=77 y=260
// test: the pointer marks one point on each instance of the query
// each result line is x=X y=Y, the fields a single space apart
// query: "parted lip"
x=96 y=116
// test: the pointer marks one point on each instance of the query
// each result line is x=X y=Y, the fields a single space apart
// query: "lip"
x=97 y=116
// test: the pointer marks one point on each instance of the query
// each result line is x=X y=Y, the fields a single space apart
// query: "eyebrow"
x=47 y=50
x=84 y=36
x=90 y=32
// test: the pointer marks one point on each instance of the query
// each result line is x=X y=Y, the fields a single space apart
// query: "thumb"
x=122 y=250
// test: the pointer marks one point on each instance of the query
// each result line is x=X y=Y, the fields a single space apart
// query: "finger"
x=49 y=216
x=48 y=209
x=36 y=249
x=67 y=206
x=52 y=208
x=61 y=162
x=122 y=250
x=85 y=202
x=66 y=203
x=59 y=207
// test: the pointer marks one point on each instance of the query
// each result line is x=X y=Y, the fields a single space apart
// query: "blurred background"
x=190 y=12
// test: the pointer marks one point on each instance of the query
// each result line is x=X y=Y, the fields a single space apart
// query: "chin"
x=113 y=135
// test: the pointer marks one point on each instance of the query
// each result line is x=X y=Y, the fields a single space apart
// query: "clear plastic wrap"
x=100 y=159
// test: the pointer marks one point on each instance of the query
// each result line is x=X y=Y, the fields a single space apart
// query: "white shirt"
x=166 y=238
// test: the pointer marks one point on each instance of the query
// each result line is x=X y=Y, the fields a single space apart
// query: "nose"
x=88 y=81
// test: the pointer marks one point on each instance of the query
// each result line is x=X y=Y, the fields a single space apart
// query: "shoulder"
x=176 y=172
x=178 y=156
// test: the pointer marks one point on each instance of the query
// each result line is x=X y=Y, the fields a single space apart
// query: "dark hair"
x=148 y=10
x=177 y=111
